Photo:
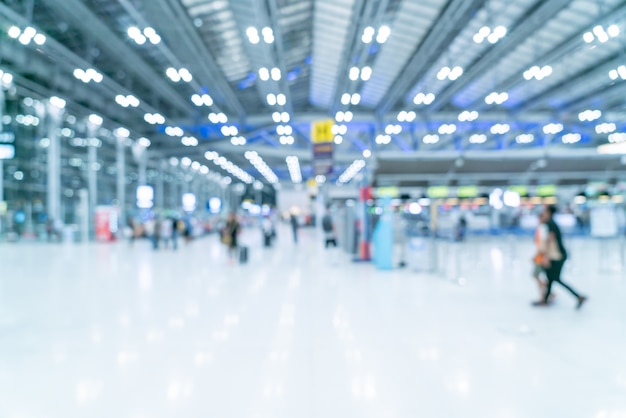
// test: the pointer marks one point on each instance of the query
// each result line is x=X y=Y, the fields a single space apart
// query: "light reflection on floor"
x=114 y=331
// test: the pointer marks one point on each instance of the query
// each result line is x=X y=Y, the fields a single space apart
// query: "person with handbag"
x=553 y=256
x=229 y=234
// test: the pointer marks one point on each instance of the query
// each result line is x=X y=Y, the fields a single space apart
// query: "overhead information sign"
x=322 y=131
x=467 y=191
x=546 y=190
x=438 y=192
x=7 y=151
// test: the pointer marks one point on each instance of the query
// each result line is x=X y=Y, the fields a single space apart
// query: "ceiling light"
x=383 y=139
x=144 y=142
x=613 y=31
x=366 y=73
x=338 y=139
x=368 y=35
x=356 y=99
x=524 y=138
x=589 y=115
x=588 y=37
x=276 y=117
x=605 y=128
x=40 y=39
x=268 y=35
x=253 y=35
x=294 y=169
x=57 y=102
x=500 y=128
x=339 y=116
x=352 y=170
x=617 y=137
x=383 y=34
x=345 y=98
x=281 y=99
x=468 y=116
x=347 y=116
x=121 y=132
x=264 y=74
x=571 y=138
x=14 y=32
x=497 y=98
x=552 y=128
x=354 y=73
x=430 y=139
x=284 y=117
x=275 y=74
x=478 y=139
x=95 y=119
x=271 y=99
x=447 y=129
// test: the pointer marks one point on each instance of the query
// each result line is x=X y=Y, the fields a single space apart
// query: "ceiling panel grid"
x=569 y=22
x=411 y=25
x=331 y=22
x=464 y=51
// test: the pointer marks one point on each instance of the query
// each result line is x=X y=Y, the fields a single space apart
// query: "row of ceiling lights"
x=266 y=32
x=189 y=141
x=619 y=72
x=26 y=36
x=348 y=98
x=278 y=117
x=261 y=166
x=602 y=35
x=489 y=34
x=382 y=35
x=344 y=116
x=140 y=37
x=202 y=100
x=126 y=101
x=589 y=115
x=274 y=74
x=30 y=34
x=178 y=75
x=364 y=73
x=88 y=75
x=570 y=138
x=294 y=169
x=351 y=171
x=154 y=118
x=228 y=166
x=276 y=99
x=238 y=140
x=6 y=79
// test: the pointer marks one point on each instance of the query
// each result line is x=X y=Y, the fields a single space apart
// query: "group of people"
x=550 y=258
x=160 y=231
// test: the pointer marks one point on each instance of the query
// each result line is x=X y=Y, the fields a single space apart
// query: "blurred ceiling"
x=411 y=80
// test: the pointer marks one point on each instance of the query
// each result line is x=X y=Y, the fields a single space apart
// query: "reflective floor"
x=117 y=331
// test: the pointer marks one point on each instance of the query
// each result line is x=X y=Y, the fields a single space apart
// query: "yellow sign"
x=322 y=131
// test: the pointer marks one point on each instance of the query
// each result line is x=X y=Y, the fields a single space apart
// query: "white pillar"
x=53 y=120
x=92 y=178
x=120 y=162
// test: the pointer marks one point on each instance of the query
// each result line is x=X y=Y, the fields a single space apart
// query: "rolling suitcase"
x=243 y=255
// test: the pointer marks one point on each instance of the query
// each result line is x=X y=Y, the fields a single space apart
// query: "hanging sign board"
x=322 y=131
x=322 y=138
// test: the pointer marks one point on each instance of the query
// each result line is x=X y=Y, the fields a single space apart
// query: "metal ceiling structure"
x=480 y=79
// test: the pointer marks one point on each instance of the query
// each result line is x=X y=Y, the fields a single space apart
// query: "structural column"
x=53 y=119
x=120 y=176
x=159 y=193
x=92 y=176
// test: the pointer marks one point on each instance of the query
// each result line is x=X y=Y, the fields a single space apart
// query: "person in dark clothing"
x=554 y=255
x=231 y=230
x=329 y=230
x=294 y=227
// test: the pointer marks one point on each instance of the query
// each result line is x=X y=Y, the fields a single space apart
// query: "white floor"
x=111 y=331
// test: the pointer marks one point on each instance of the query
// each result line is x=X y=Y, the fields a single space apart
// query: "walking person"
x=229 y=235
x=329 y=230
x=541 y=235
x=294 y=227
x=166 y=231
x=553 y=258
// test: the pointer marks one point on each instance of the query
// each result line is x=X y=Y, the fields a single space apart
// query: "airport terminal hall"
x=312 y=208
